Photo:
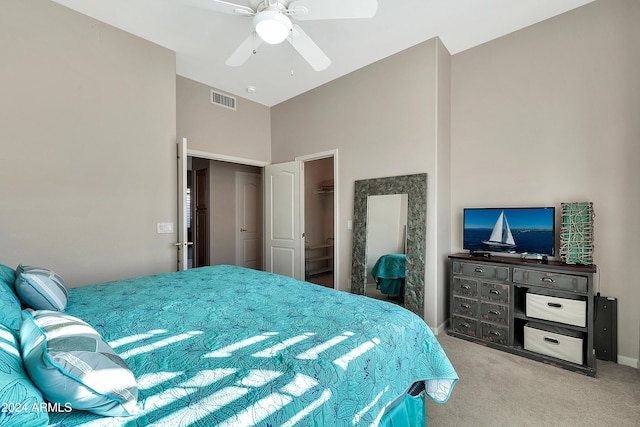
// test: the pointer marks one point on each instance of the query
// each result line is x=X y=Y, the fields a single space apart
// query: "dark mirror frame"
x=415 y=186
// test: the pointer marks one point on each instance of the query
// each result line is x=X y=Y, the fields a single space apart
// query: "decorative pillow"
x=40 y=288
x=22 y=403
x=71 y=364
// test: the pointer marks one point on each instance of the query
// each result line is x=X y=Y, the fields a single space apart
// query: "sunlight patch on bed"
x=151 y=380
x=299 y=385
x=228 y=350
x=272 y=351
x=325 y=396
x=272 y=403
x=204 y=407
x=137 y=337
x=314 y=352
x=358 y=416
x=344 y=360
x=258 y=411
x=258 y=378
x=156 y=345
x=202 y=379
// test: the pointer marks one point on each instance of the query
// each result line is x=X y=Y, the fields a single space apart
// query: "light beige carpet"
x=501 y=389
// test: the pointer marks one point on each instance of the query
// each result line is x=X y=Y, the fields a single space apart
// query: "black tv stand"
x=491 y=303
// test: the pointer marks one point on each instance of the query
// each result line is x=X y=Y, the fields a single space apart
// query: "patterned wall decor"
x=415 y=186
x=576 y=233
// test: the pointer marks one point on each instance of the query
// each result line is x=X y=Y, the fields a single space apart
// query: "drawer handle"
x=554 y=305
x=465 y=287
x=494 y=291
x=551 y=341
x=547 y=279
x=465 y=306
x=465 y=325
x=495 y=312
x=494 y=333
x=479 y=270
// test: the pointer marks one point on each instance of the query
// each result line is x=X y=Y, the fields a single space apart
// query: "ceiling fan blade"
x=308 y=49
x=221 y=6
x=333 y=9
x=245 y=50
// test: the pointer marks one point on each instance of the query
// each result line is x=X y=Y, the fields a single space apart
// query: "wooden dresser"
x=543 y=311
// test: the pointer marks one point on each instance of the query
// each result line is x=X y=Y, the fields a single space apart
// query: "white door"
x=284 y=240
x=182 y=243
x=248 y=220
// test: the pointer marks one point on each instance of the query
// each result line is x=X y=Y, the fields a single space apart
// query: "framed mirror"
x=415 y=187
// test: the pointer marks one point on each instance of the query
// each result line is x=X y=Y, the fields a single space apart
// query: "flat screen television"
x=510 y=230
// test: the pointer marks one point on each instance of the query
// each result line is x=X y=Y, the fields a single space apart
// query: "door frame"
x=336 y=233
x=315 y=156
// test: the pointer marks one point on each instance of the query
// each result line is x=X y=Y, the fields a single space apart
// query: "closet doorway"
x=319 y=221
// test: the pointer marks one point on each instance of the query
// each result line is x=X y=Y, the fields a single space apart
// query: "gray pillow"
x=41 y=288
x=71 y=364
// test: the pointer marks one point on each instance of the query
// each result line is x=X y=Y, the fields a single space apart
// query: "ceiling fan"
x=272 y=22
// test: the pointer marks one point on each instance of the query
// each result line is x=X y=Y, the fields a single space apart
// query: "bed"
x=230 y=346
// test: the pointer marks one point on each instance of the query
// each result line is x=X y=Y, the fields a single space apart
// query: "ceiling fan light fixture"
x=272 y=26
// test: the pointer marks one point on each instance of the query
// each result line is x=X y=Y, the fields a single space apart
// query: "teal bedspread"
x=229 y=346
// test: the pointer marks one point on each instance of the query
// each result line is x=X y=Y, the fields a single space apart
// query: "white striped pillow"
x=40 y=288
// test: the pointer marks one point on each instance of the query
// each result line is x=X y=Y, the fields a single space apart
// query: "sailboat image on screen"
x=501 y=237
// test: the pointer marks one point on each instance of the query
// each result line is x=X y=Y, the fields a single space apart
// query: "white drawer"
x=561 y=310
x=554 y=342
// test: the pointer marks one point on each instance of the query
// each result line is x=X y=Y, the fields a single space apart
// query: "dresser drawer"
x=498 y=334
x=494 y=313
x=550 y=280
x=494 y=292
x=465 y=326
x=481 y=270
x=555 y=342
x=465 y=306
x=465 y=287
x=561 y=310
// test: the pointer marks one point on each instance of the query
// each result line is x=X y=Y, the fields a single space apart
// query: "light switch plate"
x=165 y=227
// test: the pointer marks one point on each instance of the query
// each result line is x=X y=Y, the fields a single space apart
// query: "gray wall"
x=87 y=163
x=550 y=114
x=244 y=133
x=385 y=119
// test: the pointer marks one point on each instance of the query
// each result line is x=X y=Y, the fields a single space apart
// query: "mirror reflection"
x=415 y=187
x=386 y=245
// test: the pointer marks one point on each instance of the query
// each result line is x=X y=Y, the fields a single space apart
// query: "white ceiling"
x=203 y=40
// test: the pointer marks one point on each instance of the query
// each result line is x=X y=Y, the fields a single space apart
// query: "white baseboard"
x=628 y=361
x=441 y=328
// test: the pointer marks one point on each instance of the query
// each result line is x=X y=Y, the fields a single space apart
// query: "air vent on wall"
x=223 y=100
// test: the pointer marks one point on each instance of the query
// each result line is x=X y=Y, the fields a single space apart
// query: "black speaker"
x=605 y=338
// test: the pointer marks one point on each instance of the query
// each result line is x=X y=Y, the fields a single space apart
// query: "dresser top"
x=497 y=259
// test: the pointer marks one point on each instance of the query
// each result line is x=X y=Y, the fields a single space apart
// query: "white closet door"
x=284 y=239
